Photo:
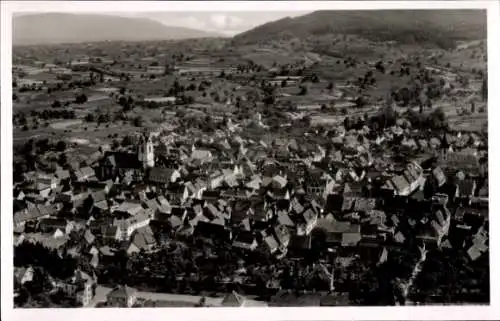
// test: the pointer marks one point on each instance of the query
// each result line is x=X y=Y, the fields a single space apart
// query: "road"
x=102 y=291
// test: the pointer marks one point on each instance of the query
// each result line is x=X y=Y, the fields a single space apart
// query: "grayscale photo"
x=250 y=159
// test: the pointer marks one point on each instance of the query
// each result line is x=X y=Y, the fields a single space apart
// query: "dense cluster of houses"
x=270 y=196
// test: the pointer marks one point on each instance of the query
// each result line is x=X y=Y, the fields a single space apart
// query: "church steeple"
x=146 y=150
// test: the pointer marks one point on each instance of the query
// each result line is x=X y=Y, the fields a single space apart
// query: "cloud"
x=235 y=21
x=192 y=22
x=219 y=20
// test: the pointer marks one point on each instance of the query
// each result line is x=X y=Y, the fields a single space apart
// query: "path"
x=416 y=271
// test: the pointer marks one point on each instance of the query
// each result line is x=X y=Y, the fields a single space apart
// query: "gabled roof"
x=364 y=204
x=53 y=222
x=130 y=208
x=400 y=183
x=246 y=237
x=143 y=238
x=98 y=196
x=466 y=187
x=233 y=299
x=271 y=242
x=87 y=171
x=123 y=160
x=89 y=237
x=175 y=221
x=28 y=215
x=122 y=292
x=62 y=174
x=284 y=219
x=160 y=175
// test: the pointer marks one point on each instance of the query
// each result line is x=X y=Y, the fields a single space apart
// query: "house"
x=41 y=190
x=364 y=205
x=284 y=219
x=48 y=180
x=162 y=176
x=117 y=164
x=282 y=235
x=213 y=230
x=476 y=251
x=141 y=240
x=50 y=225
x=23 y=275
x=84 y=174
x=306 y=222
x=89 y=237
x=233 y=299
x=262 y=212
x=127 y=209
x=405 y=184
x=122 y=296
x=31 y=214
x=194 y=190
x=216 y=179
x=465 y=189
x=245 y=240
x=202 y=156
x=80 y=286
x=460 y=161
x=479 y=244
x=439 y=176
x=336 y=232
x=125 y=227
x=433 y=230
x=270 y=244
x=278 y=182
x=316 y=183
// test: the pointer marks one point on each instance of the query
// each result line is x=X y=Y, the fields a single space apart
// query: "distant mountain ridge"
x=54 y=28
x=406 y=26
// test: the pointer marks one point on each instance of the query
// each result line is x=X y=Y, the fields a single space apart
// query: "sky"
x=228 y=23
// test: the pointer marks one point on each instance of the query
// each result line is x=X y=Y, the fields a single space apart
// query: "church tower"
x=146 y=151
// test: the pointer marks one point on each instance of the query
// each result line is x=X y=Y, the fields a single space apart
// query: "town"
x=206 y=173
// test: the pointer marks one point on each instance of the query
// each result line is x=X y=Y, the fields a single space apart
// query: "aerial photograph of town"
x=250 y=159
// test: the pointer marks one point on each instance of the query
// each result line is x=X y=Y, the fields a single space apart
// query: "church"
x=121 y=163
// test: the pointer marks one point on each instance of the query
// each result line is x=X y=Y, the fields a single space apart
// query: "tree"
x=61 y=146
x=484 y=89
x=90 y=117
x=347 y=123
x=56 y=104
x=360 y=101
x=63 y=160
x=202 y=302
x=303 y=91
x=380 y=67
x=103 y=118
x=81 y=99
x=138 y=121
